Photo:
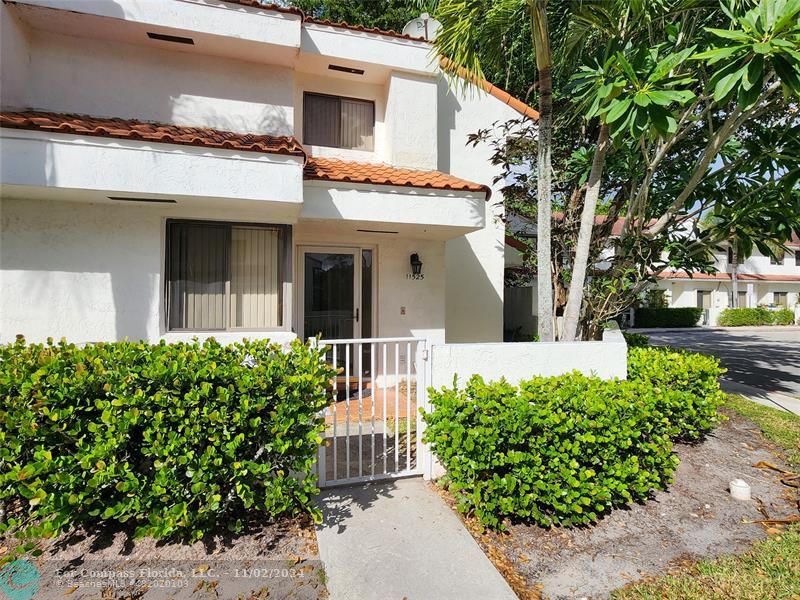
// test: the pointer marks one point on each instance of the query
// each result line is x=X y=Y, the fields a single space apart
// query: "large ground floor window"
x=224 y=276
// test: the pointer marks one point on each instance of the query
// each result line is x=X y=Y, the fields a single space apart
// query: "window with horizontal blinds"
x=338 y=122
x=224 y=276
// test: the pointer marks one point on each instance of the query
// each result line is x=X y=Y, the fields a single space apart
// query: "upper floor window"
x=777 y=259
x=338 y=122
x=797 y=258
x=730 y=255
x=223 y=276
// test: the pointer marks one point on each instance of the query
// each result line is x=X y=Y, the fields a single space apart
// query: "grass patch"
x=778 y=426
x=771 y=570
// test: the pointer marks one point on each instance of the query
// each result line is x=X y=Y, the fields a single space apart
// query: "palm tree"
x=472 y=32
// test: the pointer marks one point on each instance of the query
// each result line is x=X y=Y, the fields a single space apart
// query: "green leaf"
x=762 y=48
x=738 y=36
x=642 y=98
x=754 y=74
x=726 y=85
x=617 y=109
x=715 y=55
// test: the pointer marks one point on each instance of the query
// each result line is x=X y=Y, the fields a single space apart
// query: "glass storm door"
x=337 y=292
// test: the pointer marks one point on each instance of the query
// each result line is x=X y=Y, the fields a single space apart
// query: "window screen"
x=338 y=122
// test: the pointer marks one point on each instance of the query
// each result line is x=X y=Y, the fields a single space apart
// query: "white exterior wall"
x=35 y=159
x=683 y=293
x=14 y=59
x=517 y=362
x=92 y=272
x=411 y=121
x=111 y=79
x=211 y=18
x=475 y=262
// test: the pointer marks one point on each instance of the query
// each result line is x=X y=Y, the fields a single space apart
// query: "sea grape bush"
x=688 y=316
x=685 y=387
x=174 y=439
x=565 y=450
x=741 y=317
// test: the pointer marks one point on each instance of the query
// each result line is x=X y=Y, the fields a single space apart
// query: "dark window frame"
x=339 y=98
x=284 y=275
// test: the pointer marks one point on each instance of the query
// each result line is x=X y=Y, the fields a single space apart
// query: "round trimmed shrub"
x=565 y=450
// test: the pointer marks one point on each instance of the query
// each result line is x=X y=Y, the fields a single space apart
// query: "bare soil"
x=695 y=518
x=276 y=560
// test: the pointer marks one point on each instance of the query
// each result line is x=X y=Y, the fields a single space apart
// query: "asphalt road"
x=766 y=359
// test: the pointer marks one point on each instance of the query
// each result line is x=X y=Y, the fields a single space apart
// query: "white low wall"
x=519 y=361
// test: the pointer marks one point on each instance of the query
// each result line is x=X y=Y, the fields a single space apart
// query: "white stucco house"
x=183 y=168
x=762 y=281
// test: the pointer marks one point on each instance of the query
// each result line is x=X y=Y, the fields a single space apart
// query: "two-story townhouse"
x=189 y=168
x=761 y=281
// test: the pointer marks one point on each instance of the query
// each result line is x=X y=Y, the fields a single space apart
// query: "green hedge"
x=783 y=316
x=636 y=340
x=565 y=450
x=175 y=440
x=667 y=317
x=685 y=387
x=753 y=317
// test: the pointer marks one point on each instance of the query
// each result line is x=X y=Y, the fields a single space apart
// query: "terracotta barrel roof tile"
x=362 y=29
x=491 y=89
x=329 y=169
x=267 y=6
x=131 y=129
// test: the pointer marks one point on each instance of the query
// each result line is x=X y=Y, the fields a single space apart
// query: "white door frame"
x=357 y=283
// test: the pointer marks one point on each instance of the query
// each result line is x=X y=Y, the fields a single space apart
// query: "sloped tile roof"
x=362 y=29
x=727 y=276
x=130 y=129
x=267 y=6
x=491 y=89
x=329 y=169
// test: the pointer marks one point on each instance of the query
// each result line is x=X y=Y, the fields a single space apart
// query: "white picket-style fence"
x=373 y=424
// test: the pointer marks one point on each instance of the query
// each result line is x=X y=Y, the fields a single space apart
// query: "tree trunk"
x=580 y=264
x=735 y=274
x=544 y=284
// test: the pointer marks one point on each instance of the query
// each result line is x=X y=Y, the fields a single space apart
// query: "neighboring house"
x=188 y=168
x=762 y=281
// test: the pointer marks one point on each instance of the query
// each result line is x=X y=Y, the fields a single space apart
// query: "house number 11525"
x=415 y=276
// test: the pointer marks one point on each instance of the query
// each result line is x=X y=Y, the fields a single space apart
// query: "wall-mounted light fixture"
x=416 y=264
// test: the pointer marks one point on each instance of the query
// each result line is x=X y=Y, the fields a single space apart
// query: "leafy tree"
x=676 y=86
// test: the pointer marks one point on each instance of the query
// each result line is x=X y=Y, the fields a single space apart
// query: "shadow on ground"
x=337 y=503
x=751 y=358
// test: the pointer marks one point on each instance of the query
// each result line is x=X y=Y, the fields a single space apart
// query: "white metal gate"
x=373 y=425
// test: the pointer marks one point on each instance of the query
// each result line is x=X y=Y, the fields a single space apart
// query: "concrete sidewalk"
x=772 y=399
x=396 y=540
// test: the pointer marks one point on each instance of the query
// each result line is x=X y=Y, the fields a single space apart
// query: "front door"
x=336 y=293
